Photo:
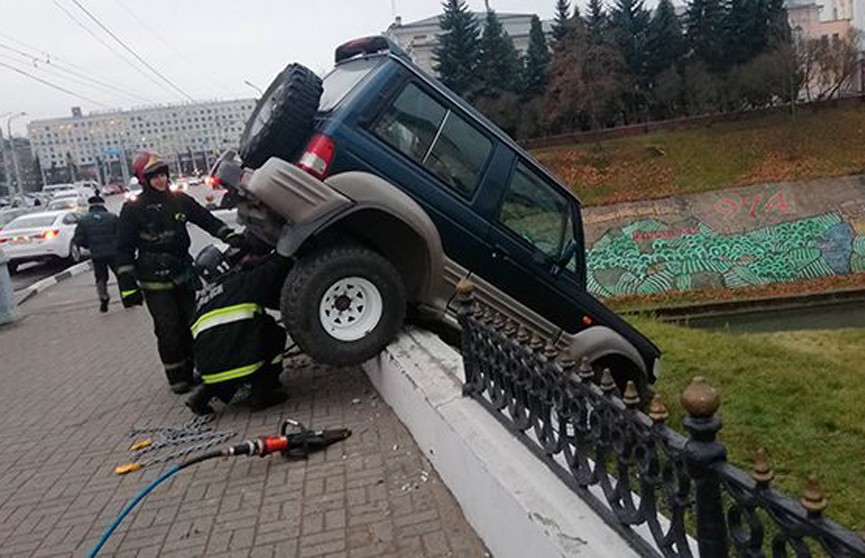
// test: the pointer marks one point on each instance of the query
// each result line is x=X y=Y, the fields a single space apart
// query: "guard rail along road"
x=657 y=487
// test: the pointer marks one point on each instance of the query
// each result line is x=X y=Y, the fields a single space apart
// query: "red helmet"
x=147 y=162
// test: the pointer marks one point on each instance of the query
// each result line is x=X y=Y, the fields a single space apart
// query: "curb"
x=25 y=294
x=497 y=481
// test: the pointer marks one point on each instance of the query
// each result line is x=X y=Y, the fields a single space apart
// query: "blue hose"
x=173 y=469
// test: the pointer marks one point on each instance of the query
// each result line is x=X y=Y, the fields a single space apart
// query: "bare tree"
x=828 y=65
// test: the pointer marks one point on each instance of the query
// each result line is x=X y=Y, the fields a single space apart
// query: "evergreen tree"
x=779 y=34
x=744 y=31
x=499 y=63
x=456 y=55
x=705 y=32
x=666 y=45
x=560 y=22
x=537 y=60
x=629 y=23
x=596 y=22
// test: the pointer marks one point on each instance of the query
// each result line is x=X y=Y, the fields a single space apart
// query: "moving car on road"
x=41 y=236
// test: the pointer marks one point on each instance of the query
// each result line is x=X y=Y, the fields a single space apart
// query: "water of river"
x=824 y=316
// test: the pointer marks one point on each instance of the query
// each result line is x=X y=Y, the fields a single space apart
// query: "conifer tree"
x=537 y=60
x=705 y=32
x=666 y=45
x=498 y=64
x=456 y=55
x=596 y=22
x=629 y=24
x=560 y=22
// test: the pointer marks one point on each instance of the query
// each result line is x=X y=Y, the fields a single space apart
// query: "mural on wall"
x=649 y=256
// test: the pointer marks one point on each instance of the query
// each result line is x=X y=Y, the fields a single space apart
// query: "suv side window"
x=537 y=213
x=435 y=137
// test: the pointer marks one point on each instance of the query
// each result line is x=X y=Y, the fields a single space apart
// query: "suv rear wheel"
x=283 y=118
x=343 y=305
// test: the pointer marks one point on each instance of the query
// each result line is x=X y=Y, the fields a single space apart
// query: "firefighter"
x=154 y=265
x=236 y=341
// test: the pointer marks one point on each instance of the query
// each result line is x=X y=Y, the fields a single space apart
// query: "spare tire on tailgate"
x=283 y=118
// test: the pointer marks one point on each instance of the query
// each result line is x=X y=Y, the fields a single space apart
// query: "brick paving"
x=73 y=383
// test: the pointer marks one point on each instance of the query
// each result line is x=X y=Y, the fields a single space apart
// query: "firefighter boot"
x=266 y=390
x=199 y=401
x=180 y=380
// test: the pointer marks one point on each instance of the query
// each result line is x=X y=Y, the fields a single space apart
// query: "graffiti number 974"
x=754 y=207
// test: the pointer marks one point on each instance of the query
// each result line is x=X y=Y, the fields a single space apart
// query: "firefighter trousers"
x=172 y=310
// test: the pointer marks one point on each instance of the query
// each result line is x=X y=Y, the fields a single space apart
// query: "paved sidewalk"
x=74 y=382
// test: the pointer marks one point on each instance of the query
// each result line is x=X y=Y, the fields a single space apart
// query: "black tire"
x=313 y=277
x=283 y=118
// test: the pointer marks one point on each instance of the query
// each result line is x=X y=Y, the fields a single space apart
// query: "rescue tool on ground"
x=293 y=441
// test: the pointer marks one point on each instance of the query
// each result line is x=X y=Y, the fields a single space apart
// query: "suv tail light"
x=318 y=156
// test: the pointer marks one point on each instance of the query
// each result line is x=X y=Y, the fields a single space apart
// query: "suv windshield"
x=342 y=79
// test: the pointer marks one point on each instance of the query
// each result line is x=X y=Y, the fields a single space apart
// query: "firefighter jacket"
x=97 y=231
x=233 y=335
x=153 y=243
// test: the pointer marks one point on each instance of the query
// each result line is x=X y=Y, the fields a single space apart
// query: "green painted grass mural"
x=649 y=256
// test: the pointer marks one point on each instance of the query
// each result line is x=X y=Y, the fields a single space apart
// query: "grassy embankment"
x=797 y=394
x=815 y=143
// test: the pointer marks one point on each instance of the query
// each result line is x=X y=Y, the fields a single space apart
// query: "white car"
x=133 y=192
x=179 y=185
x=73 y=202
x=40 y=236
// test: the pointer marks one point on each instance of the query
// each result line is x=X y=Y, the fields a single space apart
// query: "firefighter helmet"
x=211 y=263
x=148 y=163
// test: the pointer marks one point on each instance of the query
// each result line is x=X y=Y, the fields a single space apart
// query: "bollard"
x=8 y=308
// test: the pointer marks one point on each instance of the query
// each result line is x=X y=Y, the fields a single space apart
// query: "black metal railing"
x=630 y=467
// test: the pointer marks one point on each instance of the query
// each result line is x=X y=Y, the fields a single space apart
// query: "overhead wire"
x=159 y=38
x=47 y=65
x=132 y=52
x=57 y=61
x=104 y=43
x=55 y=86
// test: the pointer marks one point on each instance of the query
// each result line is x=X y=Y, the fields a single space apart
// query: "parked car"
x=133 y=191
x=387 y=188
x=40 y=236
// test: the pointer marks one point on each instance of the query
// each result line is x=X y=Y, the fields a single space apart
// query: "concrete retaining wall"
x=517 y=506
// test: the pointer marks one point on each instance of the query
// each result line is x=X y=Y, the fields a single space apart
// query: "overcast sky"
x=206 y=49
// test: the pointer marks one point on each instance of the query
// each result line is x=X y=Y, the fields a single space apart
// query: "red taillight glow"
x=318 y=156
x=48 y=235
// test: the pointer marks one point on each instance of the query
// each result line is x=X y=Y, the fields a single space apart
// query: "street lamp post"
x=9 y=120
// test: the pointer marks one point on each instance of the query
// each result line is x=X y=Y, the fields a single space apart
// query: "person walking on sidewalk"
x=97 y=232
x=154 y=265
x=236 y=341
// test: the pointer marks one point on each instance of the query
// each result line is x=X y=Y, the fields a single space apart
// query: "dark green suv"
x=388 y=188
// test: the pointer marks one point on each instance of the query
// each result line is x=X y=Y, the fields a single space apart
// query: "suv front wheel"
x=343 y=305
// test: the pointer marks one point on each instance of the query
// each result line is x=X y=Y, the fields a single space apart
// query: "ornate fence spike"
x=608 y=385
x=550 y=351
x=567 y=364
x=762 y=472
x=499 y=321
x=536 y=344
x=465 y=297
x=631 y=397
x=523 y=336
x=700 y=399
x=510 y=329
x=488 y=316
x=813 y=499
x=587 y=374
x=657 y=410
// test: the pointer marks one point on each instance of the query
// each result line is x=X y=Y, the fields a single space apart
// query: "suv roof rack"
x=368 y=45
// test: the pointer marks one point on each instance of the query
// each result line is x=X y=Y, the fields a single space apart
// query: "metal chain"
x=195 y=432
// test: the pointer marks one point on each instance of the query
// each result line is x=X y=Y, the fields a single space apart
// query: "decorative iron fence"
x=629 y=466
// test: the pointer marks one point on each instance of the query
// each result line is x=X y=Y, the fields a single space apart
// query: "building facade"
x=419 y=38
x=96 y=145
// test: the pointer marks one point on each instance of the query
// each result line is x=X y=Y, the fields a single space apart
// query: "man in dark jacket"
x=153 y=259
x=97 y=232
x=236 y=341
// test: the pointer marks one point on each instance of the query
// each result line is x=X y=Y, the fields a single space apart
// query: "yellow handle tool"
x=128 y=468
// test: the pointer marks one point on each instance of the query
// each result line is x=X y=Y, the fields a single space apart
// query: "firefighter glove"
x=132 y=298
x=235 y=240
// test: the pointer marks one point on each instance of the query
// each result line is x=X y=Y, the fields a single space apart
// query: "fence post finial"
x=631 y=397
x=657 y=410
x=813 y=499
x=762 y=472
x=702 y=452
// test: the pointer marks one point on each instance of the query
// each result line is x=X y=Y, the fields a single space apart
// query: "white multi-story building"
x=187 y=135
x=419 y=38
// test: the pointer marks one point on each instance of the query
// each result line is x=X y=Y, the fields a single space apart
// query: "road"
x=32 y=272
